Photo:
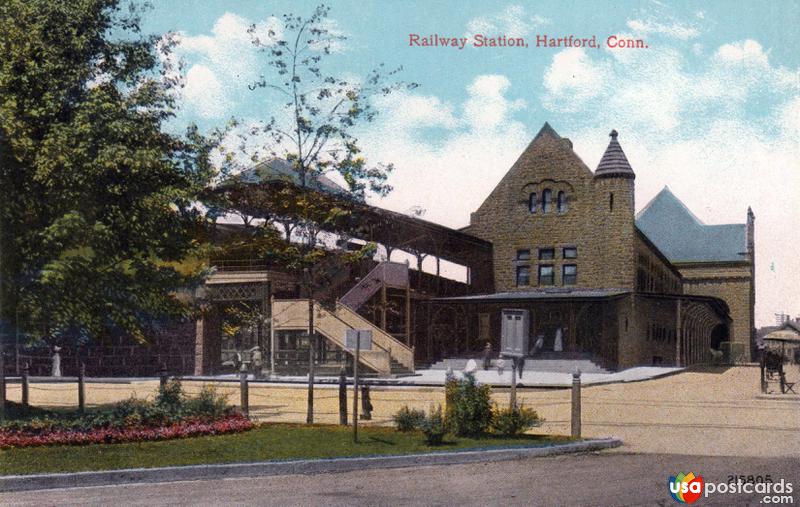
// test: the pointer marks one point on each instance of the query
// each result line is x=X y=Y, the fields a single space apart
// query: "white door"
x=514 y=333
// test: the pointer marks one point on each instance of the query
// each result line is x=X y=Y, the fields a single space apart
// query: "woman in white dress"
x=56 y=367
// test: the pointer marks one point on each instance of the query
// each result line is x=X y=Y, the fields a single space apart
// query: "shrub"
x=208 y=403
x=407 y=419
x=171 y=397
x=469 y=409
x=433 y=426
x=514 y=421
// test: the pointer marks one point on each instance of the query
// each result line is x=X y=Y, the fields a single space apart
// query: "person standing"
x=487 y=354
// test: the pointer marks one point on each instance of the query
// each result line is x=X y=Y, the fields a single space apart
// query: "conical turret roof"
x=614 y=162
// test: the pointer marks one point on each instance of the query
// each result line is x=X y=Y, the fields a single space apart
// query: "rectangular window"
x=547 y=254
x=569 y=274
x=523 y=255
x=570 y=252
x=546 y=275
x=523 y=276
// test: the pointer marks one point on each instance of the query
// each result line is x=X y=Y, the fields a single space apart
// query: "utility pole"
x=355 y=387
x=2 y=335
x=311 y=343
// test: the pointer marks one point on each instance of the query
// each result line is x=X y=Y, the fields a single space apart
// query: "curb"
x=779 y=397
x=267 y=468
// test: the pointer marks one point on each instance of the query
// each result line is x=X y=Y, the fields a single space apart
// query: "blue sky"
x=711 y=108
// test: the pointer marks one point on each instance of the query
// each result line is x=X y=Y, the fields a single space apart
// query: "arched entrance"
x=718 y=335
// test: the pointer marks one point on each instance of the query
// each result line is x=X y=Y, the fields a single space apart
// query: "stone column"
x=199 y=346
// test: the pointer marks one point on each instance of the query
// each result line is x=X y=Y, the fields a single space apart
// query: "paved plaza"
x=711 y=411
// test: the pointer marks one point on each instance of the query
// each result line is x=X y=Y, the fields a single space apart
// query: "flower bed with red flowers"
x=172 y=414
x=232 y=423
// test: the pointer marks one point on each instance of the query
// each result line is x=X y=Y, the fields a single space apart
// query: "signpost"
x=357 y=339
x=514 y=344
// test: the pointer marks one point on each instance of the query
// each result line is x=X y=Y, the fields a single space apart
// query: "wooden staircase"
x=388 y=356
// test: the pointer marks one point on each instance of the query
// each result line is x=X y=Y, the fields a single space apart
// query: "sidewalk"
x=437 y=377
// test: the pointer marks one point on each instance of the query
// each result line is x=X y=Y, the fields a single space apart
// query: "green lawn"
x=267 y=442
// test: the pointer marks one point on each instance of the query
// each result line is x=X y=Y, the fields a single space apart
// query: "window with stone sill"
x=523 y=254
x=546 y=275
x=569 y=274
x=523 y=276
x=547 y=198
x=547 y=254
x=561 y=202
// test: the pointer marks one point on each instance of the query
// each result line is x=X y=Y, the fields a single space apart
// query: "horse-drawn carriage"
x=772 y=370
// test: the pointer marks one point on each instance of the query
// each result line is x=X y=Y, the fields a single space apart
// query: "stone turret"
x=615 y=210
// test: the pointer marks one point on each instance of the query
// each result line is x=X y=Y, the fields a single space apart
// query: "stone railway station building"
x=556 y=253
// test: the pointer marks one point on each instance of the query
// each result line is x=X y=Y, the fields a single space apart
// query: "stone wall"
x=603 y=232
x=731 y=282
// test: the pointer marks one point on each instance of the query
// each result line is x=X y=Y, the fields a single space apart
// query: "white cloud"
x=676 y=30
x=204 y=91
x=748 y=51
x=229 y=50
x=513 y=21
x=723 y=133
x=573 y=78
x=223 y=63
x=487 y=107
x=403 y=111
x=448 y=176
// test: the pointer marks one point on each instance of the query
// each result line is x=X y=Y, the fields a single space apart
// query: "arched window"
x=532 y=202
x=547 y=198
x=561 y=202
x=611 y=201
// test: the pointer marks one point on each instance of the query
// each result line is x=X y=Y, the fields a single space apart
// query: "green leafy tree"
x=96 y=198
x=313 y=129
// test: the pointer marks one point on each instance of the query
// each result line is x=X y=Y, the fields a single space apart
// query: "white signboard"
x=514 y=333
x=364 y=337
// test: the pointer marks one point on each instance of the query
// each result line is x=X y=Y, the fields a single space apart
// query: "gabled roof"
x=546 y=130
x=278 y=169
x=614 y=161
x=682 y=237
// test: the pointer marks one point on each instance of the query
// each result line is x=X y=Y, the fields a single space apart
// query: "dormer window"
x=561 y=202
x=547 y=199
x=532 y=203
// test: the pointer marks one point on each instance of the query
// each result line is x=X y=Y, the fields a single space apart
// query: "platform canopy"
x=253 y=192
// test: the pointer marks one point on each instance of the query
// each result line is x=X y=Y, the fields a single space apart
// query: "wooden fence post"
x=162 y=377
x=25 y=385
x=82 y=388
x=244 y=394
x=576 y=404
x=2 y=382
x=342 y=397
x=512 y=402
